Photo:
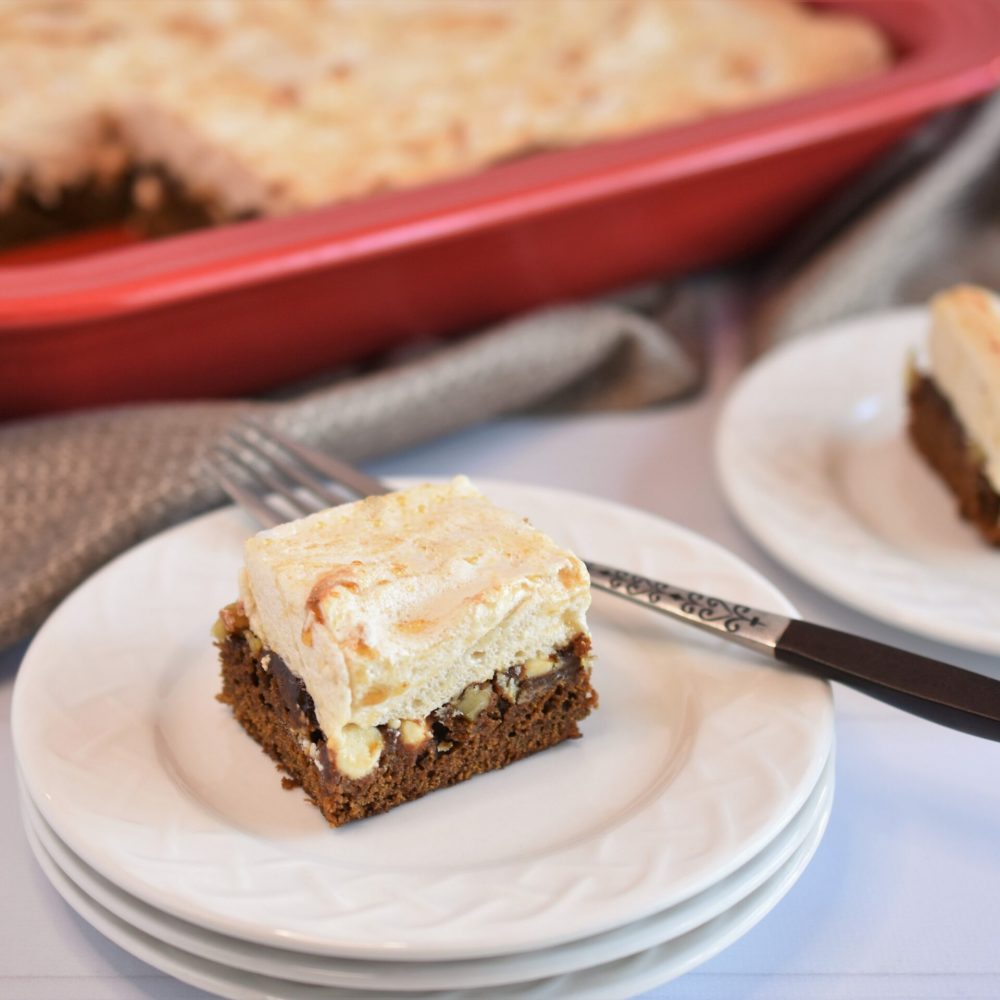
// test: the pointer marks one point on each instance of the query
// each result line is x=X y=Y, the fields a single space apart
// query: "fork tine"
x=340 y=473
x=272 y=483
x=273 y=456
x=269 y=470
x=256 y=505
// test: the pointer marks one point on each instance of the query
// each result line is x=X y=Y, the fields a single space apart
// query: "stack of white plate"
x=600 y=868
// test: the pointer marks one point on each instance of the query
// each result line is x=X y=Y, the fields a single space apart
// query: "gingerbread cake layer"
x=487 y=727
x=941 y=439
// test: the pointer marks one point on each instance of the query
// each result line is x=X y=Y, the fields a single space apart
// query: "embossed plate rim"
x=631 y=974
x=474 y=974
x=163 y=847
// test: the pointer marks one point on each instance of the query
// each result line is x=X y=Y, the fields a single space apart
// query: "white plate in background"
x=813 y=456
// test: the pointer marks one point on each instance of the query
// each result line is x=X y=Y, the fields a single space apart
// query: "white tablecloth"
x=902 y=900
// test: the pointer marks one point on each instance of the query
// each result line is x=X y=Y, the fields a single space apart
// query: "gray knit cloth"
x=939 y=227
x=77 y=489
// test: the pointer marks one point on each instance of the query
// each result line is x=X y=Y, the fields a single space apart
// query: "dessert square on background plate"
x=212 y=313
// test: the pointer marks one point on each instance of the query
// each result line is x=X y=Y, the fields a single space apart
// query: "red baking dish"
x=243 y=308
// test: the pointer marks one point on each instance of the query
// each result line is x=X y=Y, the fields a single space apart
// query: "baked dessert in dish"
x=233 y=108
x=954 y=407
x=384 y=649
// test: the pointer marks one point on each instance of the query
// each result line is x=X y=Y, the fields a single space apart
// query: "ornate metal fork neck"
x=759 y=630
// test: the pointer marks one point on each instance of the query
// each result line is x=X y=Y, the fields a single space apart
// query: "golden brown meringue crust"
x=964 y=350
x=266 y=106
x=390 y=607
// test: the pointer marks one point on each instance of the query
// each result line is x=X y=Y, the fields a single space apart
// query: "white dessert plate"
x=813 y=455
x=698 y=756
x=624 y=977
x=473 y=973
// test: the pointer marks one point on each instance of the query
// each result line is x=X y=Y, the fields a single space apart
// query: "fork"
x=275 y=479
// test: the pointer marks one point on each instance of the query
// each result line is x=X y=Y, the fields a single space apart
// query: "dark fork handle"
x=931 y=689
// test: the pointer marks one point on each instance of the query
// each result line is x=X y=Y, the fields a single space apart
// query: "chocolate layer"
x=516 y=717
x=96 y=202
x=939 y=436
